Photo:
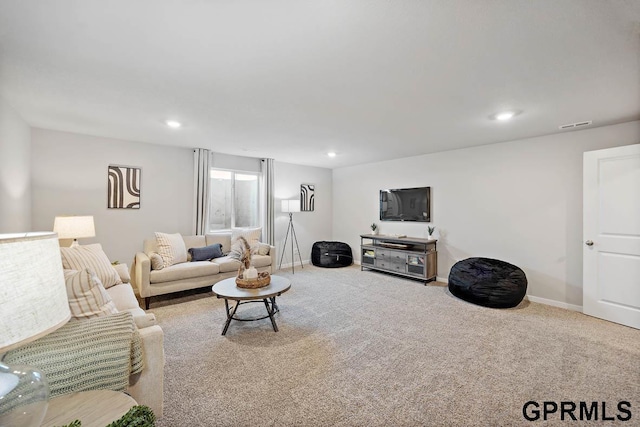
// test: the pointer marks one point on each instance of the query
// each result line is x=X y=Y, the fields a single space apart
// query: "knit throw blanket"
x=89 y=354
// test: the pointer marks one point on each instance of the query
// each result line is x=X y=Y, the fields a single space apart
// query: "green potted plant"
x=374 y=228
x=431 y=229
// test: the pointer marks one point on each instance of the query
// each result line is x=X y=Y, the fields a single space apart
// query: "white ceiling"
x=369 y=79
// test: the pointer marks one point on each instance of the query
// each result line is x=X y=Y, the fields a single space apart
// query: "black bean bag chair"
x=488 y=282
x=331 y=254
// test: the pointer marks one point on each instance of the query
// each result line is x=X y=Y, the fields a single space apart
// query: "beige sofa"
x=190 y=275
x=147 y=387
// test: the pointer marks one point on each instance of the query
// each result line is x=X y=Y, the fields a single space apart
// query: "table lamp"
x=291 y=206
x=33 y=303
x=74 y=227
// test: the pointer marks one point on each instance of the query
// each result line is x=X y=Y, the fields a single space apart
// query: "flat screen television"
x=406 y=204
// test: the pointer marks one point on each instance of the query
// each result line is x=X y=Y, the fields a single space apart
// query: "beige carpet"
x=367 y=349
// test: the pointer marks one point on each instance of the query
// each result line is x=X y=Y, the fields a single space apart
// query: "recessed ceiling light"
x=331 y=154
x=173 y=124
x=503 y=116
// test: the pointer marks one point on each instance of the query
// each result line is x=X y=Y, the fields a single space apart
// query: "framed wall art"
x=123 y=187
x=307 y=197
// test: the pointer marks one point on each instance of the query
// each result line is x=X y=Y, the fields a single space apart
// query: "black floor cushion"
x=331 y=254
x=488 y=282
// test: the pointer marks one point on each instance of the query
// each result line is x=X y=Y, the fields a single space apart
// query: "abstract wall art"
x=123 y=188
x=307 y=197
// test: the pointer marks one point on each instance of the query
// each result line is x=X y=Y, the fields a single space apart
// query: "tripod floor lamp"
x=291 y=206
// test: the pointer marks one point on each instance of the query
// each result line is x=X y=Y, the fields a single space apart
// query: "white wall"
x=69 y=176
x=309 y=226
x=519 y=201
x=15 y=172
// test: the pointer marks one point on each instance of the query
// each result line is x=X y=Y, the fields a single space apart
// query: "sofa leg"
x=147 y=301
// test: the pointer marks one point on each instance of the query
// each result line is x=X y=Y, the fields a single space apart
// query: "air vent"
x=575 y=125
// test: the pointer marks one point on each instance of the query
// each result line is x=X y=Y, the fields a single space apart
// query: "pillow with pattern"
x=171 y=248
x=87 y=297
x=93 y=258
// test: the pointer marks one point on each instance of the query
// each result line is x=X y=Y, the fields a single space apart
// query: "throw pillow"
x=171 y=248
x=156 y=261
x=93 y=258
x=87 y=297
x=252 y=235
x=260 y=248
x=123 y=272
x=206 y=253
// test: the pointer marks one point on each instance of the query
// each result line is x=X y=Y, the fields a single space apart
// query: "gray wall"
x=15 y=171
x=69 y=173
x=519 y=201
x=309 y=226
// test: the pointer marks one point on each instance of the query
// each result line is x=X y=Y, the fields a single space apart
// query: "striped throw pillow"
x=171 y=248
x=93 y=258
x=87 y=297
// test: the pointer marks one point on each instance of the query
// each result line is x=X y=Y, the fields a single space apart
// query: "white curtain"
x=268 y=229
x=201 y=160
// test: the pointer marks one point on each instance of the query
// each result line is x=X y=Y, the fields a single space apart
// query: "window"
x=235 y=199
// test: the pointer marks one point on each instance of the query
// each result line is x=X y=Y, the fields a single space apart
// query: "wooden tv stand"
x=411 y=257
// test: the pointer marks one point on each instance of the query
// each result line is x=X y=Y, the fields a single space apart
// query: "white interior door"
x=611 y=253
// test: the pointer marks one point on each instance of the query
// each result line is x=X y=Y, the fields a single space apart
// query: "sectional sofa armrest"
x=141 y=272
x=147 y=387
x=145 y=320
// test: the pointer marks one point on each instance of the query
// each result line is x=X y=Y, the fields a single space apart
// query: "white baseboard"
x=296 y=264
x=555 y=303
x=531 y=298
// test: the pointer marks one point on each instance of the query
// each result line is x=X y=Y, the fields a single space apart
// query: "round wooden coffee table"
x=228 y=290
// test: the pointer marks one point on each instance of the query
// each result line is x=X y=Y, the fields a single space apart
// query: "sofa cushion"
x=227 y=264
x=171 y=248
x=123 y=297
x=87 y=297
x=125 y=300
x=93 y=258
x=251 y=235
x=194 y=241
x=206 y=253
x=223 y=238
x=184 y=271
x=260 y=260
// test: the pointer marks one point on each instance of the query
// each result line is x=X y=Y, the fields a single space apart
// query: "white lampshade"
x=74 y=227
x=33 y=295
x=292 y=205
x=33 y=303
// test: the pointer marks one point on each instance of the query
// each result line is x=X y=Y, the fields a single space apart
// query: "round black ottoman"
x=488 y=282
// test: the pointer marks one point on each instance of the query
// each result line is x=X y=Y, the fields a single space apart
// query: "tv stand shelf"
x=411 y=257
